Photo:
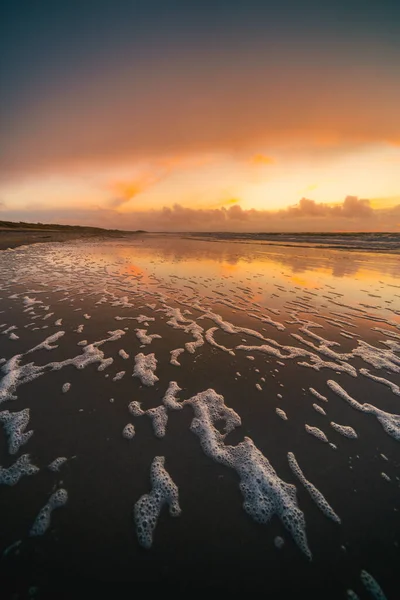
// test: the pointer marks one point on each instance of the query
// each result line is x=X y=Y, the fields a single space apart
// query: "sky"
x=211 y=115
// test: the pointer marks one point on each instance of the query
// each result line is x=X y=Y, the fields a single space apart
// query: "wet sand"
x=19 y=237
x=253 y=296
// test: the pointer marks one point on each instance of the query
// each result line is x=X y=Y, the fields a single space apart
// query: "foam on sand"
x=48 y=343
x=265 y=494
x=372 y=586
x=316 y=433
x=159 y=419
x=209 y=335
x=318 y=395
x=123 y=354
x=128 y=431
x=174 y=356
x=57 y=463
x=66 y=387
x=42 y=521
x=145 y=339
x=377 y=357
x=389 y=421
x=315 y=494
x=319 y=409
x=14 y=426
x=281 y=413
x=145 y=365
x=119 y=375
x=395 y=388
x=148 y=507
x=170 y=397
x=13 y=474
x=344 y=430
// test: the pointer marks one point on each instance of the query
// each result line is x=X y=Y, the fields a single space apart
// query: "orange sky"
x=253 y=112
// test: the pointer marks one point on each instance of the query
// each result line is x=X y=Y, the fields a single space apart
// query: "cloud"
x=353 y=214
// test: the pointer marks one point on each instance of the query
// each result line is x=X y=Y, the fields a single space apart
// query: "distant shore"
x=13 y=235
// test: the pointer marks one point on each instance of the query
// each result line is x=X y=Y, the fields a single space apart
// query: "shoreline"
x=11 y=239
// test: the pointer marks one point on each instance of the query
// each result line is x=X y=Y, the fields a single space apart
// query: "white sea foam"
x=145 y=365
x=344 y=430
x=13 y=474
x=174 y=356
x=148 y=507
x=315 y=494
x=57 y=463
x=42 y=521
x=395 y=388
x=14 y=425
x=48 y=343
x=209 y=335
x=265 y=494
x=389 y=421
x=159 y=419
x=66 y=387
x=129 y=431
x=319 y=409
x=123 y=354
x=372 y=586
x=320 y=435
x=170 y=397
x=281 y=413
x=142 y=336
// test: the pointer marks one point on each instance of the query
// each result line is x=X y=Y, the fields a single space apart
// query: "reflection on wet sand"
x=160 y=362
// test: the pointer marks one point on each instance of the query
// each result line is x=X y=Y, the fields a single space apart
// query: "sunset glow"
x=252 y=110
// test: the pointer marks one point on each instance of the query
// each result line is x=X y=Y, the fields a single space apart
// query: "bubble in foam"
x=128 y=431
x=316 y=433
x=145 y=365
x=315 y=494
x=13 y=474
x=265 y=494
x=66 y=387
x=372 y=586
x=148 y=507
x=344 y=430
x=57 y=463
x=42 y=521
